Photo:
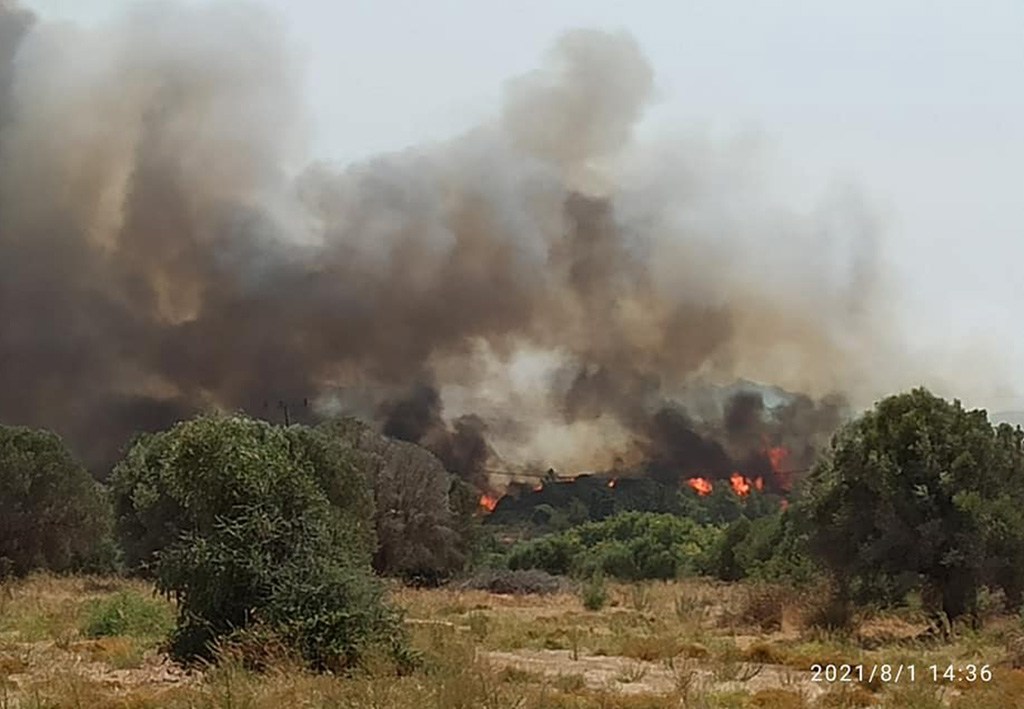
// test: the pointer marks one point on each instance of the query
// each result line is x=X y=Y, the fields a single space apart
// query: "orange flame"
x=611 y=483
x=740 y=485
x=488 y=503
x=538 y=487
x=702 y=486
x=777 y=456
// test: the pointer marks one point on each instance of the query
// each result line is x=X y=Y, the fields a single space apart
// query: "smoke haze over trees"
x=544 y=287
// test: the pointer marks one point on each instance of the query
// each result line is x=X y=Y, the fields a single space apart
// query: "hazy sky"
x=919 y=104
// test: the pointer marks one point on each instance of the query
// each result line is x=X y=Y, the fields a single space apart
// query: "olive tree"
x=53 y=514
x=422 y=513
x=259 y=528
x=920 y=493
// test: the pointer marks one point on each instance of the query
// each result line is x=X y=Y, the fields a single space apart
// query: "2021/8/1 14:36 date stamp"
x=895 y=674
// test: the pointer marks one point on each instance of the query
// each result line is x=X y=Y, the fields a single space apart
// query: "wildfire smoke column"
x=166 y=247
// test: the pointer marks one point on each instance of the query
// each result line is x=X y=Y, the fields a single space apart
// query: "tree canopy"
x=256 y=528
x=920 y=493
x=422 y=512
x=53 y=514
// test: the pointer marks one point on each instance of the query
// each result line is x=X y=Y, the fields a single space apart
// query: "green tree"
x=256 y=528
x=423 y=514
x=919 y=493
x=53 y=514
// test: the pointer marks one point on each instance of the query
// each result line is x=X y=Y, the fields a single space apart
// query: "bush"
x=763 y=606
x=532 y=581
x=129 y=614
x=553 y=553
x=167 y=483
x=53 y=514
x=768 y=548
x=254 y=528
x=828 y=612
x=594 y=593
x=630 y=546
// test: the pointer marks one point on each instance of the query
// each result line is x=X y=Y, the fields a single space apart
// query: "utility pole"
x=286 y=410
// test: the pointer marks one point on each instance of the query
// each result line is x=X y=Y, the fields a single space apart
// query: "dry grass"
x=679 y=644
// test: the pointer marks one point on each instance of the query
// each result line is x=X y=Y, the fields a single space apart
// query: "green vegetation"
x=53 y=515
x=256 y=531
x=128 y=613
x=916 y=496
x=629 y=546
x=769 y=548
x=920 y=494
x=423 y=514
x=263 y=541
x=594 y=593
x=559 y=506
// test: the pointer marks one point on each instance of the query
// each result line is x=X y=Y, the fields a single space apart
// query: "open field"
x=94 y=642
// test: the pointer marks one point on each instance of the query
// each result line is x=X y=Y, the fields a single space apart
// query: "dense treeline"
x=269 y=534
x=634 y=546
x=917 y=495
x=264 y=535
x=559 y=505
x=53 y=514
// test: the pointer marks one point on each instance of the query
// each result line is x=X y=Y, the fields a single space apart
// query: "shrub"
x=520 y=582
x=554 y=553
x=594 y=593
x=256 y=528
x=763 y=606
x=128 y=614
x=168 y=482
x=631 y=546
x=826 y=610
x=53 y=514
x=768 y=548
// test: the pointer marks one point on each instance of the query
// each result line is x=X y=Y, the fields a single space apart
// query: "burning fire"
x=488 y=503
x=611 y=483
x=740 y=485
x=702 y=486
x=538 y=487
x=777 y=456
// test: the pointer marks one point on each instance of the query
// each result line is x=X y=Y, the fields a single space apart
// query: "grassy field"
x=95 y=642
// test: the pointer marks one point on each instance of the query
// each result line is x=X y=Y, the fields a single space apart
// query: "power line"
x=570 y=478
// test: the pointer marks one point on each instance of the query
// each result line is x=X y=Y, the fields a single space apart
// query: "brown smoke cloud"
x=544 y=280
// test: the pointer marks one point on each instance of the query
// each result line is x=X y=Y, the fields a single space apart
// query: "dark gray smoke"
x=418 y=417
x=555 y=283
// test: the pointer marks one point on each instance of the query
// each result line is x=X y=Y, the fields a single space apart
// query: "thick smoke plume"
x=545 y=281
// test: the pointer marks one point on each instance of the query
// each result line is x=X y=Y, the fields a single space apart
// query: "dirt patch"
x=32 y=663
x=630 y=676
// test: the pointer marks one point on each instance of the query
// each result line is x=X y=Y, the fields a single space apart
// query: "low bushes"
x=519 y=582
x=768 y=548
x=630 y=546
x=128 y=613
